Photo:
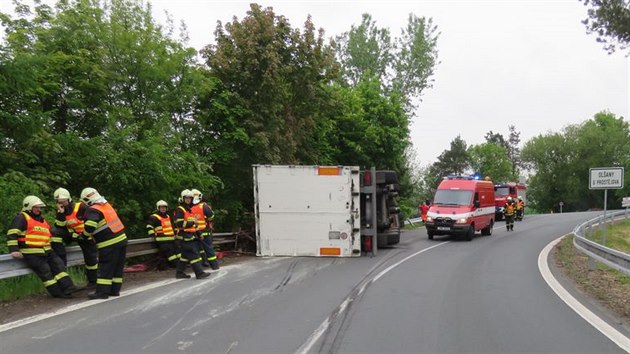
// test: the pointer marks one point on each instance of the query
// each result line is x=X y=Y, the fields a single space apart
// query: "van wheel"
x=430 y=234
x=470 y=233
x=488 y=230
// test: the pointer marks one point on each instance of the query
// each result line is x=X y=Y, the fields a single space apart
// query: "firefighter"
x=520 y=208
x=29 y=238
x=187 y=235
x=104 y=226
x=69 y=226
x=509 y=209
x=161 y=229
x=205 y=218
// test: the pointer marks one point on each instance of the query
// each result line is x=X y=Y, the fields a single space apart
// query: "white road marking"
x=614 y=335
x=316 y=335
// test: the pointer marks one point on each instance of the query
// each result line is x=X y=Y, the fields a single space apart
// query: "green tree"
x=491 y=160
x=609 y=20
x=453 y=161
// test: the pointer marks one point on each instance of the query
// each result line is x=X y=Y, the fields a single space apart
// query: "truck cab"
x=504 y=190
x=462 y=205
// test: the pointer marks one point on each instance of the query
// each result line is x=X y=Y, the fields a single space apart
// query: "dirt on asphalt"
x=39 y=304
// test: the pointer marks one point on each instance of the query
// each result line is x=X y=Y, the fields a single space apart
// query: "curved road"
x=440 y=296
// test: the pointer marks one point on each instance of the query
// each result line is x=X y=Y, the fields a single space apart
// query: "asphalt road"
x=439 y=296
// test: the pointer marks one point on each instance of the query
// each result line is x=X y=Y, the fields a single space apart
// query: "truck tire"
x=471 y=232
x=488 y=230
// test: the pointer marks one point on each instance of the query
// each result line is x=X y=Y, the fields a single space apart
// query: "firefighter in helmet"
x=520 y=208
x=29 y=238
x=104 y=226
x=509 y=210
x=186 y=224
x=69 y=226
x=162 y=230
x=205 y=217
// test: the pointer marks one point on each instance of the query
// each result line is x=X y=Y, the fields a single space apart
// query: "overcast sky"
x=525 y=63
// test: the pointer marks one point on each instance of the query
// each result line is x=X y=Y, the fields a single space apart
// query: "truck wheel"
x=488 y=230
x=430 y=234
x=470 y=233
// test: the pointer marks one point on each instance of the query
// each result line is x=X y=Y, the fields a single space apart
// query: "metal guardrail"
x=613 y=258
x=11 y=267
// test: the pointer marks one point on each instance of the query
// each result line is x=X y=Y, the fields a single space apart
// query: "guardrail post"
x=591 y=264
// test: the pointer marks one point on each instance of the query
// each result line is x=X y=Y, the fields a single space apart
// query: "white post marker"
x=605 y=178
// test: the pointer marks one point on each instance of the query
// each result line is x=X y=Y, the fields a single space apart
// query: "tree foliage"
x=491 y=160
x=561 y=162
x=609 y=20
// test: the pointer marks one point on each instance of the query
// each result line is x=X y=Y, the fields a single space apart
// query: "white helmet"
x=520 y=198
x=90 y=195
x=30 y=202
x=187 y=193
x=197 y=196
x=62 y=193
x=509 y=199
x=161 y=203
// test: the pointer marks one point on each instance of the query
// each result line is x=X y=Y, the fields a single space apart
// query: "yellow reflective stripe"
x=94 y=267
x=60 y=222
x=179 y=255
x=50 y=282
x=14 y=232
x=172 y=258
x=101 y=281
x=117 y=280
x=151 y=232
x=164 y=238
x=91 y=223
x=61 y=275
x=56 y=239
x=12 y=242
x=195 y=260
x=183 y=259
x=113 y=241
x=33 y=250
x=212 y=258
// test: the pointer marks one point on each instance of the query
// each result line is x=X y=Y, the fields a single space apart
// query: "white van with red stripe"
x=462 y=205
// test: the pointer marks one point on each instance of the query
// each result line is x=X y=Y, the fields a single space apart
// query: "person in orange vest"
x=104 y=226
x=162 y=230
x=509 y=210
x=424 y=210
x=186 y=224
x=520 y=208
x=205 y=218
x=28 y=238
x=69 y=226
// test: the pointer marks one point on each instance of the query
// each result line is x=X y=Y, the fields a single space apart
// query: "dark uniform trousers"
x=51 y=270
x=206 y=244
x=169 y=250
x=190 y=255
x=111 y=267
x=90 y=254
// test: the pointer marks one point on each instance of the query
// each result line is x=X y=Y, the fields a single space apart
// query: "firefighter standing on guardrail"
x=28 y=238
x=161 y=229
x=205 y=217
x=186 y=224
x=103 y=224
x=69 y=226
x=509 y=209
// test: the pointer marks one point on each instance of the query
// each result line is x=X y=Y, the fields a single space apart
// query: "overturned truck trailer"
x=337 y=211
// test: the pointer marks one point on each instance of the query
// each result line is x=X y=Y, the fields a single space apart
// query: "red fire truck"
x=504 y=190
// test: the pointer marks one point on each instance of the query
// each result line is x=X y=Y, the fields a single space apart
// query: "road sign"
x=606 y=178
x=625 y=202
x=561 y=203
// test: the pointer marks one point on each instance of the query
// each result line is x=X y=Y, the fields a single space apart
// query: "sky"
x=526 y=63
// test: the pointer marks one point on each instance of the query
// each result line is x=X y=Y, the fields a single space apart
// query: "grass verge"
x=617 y=236
x=609 y=286
x=29 y=284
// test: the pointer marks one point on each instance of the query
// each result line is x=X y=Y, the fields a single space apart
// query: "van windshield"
x=502 y=191
x=452 y=197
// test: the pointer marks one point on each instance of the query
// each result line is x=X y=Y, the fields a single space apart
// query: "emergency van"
x=462 y=205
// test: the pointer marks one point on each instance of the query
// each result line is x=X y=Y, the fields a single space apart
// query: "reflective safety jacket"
x=160 y=228
x=186 y=223
x=204 y=215
x=509 y=209
x=29 y=235
x=520 y=205
x=102 y=223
